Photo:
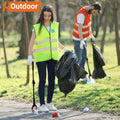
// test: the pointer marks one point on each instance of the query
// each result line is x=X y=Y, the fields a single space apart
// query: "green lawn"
x=103 y=96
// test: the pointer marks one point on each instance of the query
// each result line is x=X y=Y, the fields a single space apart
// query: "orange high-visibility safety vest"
x=86 y=28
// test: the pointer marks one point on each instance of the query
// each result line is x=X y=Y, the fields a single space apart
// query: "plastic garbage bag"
x=98 y=57
x=65 y=63
x=68 y=72
x=98 y=61
x=86 y=109
x=98 y=72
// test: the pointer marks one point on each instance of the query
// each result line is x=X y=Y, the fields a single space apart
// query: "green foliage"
x=103 y=96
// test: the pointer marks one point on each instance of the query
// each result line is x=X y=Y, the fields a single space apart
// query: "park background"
x=16 y=76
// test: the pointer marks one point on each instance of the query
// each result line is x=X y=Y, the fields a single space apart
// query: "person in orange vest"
x=82 y=30
x=44 y=46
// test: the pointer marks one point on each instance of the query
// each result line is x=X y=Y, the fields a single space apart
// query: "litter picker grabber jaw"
x=34 y=106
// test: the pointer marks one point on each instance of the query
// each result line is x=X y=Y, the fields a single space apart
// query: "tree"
x=57 y=13
x=22 y=42
x=114 y=6
x=115 y=9
x=27 y=42
x=96 y=23
x=104 y=28
x=4 y=49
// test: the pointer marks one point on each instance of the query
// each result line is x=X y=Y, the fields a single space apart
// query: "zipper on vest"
x=50 y=39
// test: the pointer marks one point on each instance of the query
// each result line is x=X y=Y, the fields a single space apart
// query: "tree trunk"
x=27 y=42
x=22 y=42
x=116 y=32
x=57 y=13
x=4 y=49
x=104 y=29
x=98 y=23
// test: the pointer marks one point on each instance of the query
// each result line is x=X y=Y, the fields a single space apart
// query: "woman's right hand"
x=30 y=60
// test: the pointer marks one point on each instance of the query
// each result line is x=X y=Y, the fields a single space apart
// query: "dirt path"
x=11 y=110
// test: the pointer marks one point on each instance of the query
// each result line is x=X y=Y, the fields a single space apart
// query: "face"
x=94 y=12
x=47 y=16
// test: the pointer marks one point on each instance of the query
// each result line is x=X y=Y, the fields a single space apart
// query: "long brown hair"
x=47 y=8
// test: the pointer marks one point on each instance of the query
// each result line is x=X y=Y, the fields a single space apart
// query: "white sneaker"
x=51 y=107
x=43 y=108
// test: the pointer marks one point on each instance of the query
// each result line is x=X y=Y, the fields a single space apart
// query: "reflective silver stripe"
x=41 y=49
x=76 y=24
x=54 y=40
x=83 y=25
x=75 y=31
x=41 y=42
x=55 y=48
x=87 y=25
x=82 y=32
x=44 y=49
x=44 y=41
x=86 y=32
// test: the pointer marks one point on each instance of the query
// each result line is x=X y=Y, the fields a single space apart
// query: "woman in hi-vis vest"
x=82 y=30
x=44 y=47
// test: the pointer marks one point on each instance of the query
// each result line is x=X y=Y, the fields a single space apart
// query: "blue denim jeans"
x=81 y=53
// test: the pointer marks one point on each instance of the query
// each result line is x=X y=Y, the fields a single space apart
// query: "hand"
x=82 y=44
x=92 y=38
x=65 y=49
x=30 y=60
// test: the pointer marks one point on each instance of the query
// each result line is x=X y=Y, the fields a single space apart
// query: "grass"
x=103 y=96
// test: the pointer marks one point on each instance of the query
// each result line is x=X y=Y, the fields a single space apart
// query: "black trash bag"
x=99 y=73
x=97 y=57
x=68 y=72
x=98 y=61
x=65 y=63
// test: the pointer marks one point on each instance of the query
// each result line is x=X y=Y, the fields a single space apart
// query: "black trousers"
x=41 y=66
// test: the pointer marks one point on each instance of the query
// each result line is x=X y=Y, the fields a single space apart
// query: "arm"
x=60 y=45
x=80 y=31
x=30 y=49
x=80 y=21
x=92 y=37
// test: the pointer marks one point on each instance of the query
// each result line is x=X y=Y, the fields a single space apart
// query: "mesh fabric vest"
x=86 y=28
x=46 y=44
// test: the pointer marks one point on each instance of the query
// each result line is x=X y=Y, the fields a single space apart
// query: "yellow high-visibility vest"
x=46 y=44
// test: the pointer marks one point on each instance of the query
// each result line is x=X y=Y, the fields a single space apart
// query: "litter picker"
x=90 y=79
x=34 y=106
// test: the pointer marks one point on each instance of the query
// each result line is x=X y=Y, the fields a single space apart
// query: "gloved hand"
x=82 y=44
x=92 y=38
x=30 y=60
